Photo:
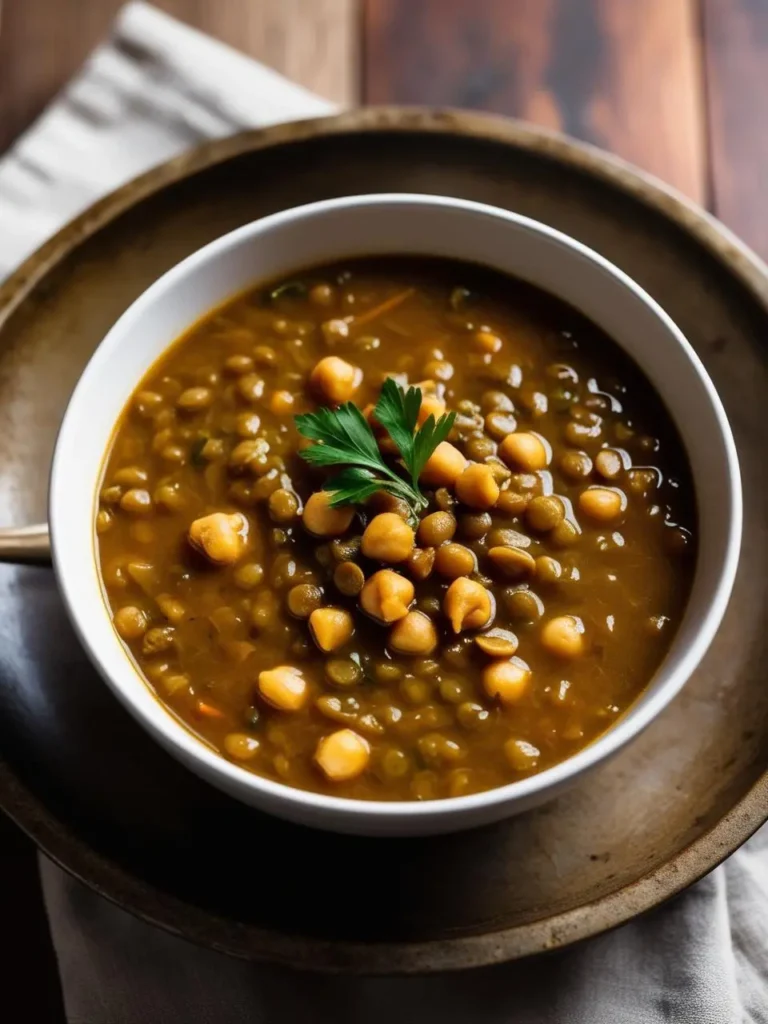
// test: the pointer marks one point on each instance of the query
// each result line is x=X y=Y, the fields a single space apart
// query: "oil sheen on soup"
x=461 y=632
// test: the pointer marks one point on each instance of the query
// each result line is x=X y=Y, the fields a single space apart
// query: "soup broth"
x=381 y=650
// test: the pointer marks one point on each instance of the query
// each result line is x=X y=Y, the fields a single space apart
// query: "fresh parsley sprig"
x=344 y=438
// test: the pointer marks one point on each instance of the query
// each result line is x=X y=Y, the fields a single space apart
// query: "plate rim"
x=150 y=904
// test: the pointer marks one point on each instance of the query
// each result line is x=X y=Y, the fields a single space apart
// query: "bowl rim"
x=167 y=729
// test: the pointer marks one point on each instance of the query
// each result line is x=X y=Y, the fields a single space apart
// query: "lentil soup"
x=432 y=638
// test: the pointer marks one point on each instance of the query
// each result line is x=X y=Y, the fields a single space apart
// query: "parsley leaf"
x=344 y=438
x=398 y=412
x=431 y=434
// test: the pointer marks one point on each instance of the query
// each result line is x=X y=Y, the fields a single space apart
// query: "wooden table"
x=676 y=86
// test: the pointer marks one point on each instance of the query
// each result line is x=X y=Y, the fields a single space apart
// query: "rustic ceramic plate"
x=109 y=806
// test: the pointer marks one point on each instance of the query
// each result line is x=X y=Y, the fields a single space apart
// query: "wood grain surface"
x=621 y=74
x=736 y=35
x=43 y=43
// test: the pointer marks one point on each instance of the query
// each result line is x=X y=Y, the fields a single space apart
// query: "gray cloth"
x=155 y=88
x=702 y=959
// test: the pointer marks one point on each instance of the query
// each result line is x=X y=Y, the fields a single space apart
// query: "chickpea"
x=444 y=466
x=602 y=503
x=334 y=379
x=343 y=755
x=221 y=537
x=323 y=520
x=421 y=563
x=284 y=688
x=487 y=341
x=609 y=463
x=431 y=405
x=386 y=596
x=544 y=512
x=130 y=622
x=477 y=487
x=513 y=563
x=195 y=399
x=331 y=628
x=468 y=605
x=507 y=680
x=387 y=538
x=414 y=634
x=563 y=636
x=283 y=506
x=304 y=599
x=575 y=465
x=454 y=560
x=525 y=451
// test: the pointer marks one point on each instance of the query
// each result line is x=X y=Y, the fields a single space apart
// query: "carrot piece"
x=208 y=710
x=385 y=307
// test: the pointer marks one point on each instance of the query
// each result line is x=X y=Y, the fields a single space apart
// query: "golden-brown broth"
x=627 y=580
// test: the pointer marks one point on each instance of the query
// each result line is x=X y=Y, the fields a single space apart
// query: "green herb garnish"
x=459 y=298
x=288 y=290
x=345 y=439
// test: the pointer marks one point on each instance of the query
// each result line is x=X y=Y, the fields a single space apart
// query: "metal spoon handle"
x=25 y=545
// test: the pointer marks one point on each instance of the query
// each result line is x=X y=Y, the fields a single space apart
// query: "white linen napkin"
x=155 y=88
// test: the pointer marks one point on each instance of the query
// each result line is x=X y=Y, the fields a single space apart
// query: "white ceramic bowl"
x=371 y=225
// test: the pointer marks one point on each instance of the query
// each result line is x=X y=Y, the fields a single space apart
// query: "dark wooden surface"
x=676 y=86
